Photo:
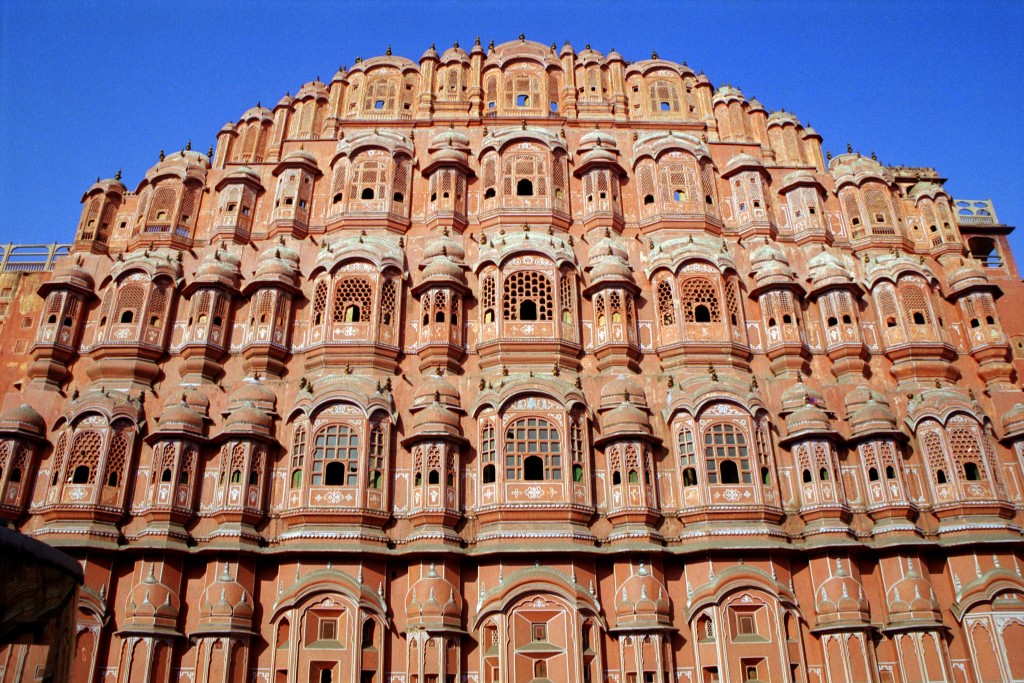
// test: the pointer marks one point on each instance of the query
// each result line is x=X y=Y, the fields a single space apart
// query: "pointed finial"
x=477 y=41
x=828 y=156
x=161 y=155
x=654 y=55
x=117 y=176
x=522 y=37
x=188 y=146
x=849 y=148
x=388 y=51
x=873 y=157
x=209 y=152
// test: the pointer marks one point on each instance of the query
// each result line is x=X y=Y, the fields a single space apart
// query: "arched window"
x=487 y=298
x=533 y=450
x=524 y=175
x=129 y=303
x=527 y=296
x=915 y=305
x=85 y=457
x=725 y=443
x=375 y=456
x=336 y=444
x=319 y=302
x=369 y=180
x=663 y=96
x=379 y=94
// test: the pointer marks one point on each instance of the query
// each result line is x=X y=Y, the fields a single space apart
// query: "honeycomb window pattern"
x=352 y=298
x=527 y=296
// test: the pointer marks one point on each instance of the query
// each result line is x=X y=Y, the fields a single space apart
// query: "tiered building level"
x=524 y=364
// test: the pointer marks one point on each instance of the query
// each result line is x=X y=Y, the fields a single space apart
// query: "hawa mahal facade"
x=523 y=364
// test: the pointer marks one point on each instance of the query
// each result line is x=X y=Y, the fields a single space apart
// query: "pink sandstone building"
x=522 y=364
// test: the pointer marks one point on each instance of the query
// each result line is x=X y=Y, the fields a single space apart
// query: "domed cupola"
x=23 y=420
x=840 y=598
x=66 y=295
x=612 y=291
x=619 y=388
x=277 y=265
x=601 y=171
x=826 y=271
x=804 y=411
x=771 y=267
x=433 y=603
x=911 y=598
x=868 y=414
x=225 y=605
x=642 y=602
x=1012 y=422
x=441 y=291
x=152 y=607
x=211 y=294
x=270 y=291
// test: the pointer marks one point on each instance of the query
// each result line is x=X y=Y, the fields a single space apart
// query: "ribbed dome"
x=443 y=269
x=807 y=420
x=966 y=276
x=248 y=419
x=226 y=604
x=841 y=598
x=151 y=605
x=625 y=419
x=1013 y=421
x=642 y=600
x=22 y=419
x=869 y=412
x=180 y=417
x=444 y=246
x=826 y=269
x=617 y=390
x=256 y=393
x=433 y=601
x=800 y=395
x=436 y=419
x=431 y=387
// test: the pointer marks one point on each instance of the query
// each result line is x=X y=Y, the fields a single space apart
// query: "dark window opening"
x=434 y=477
x=334 y=474
x=975 y=322
x=701 y=314
x=872 y=474
x=989 y=320
x=52 y=319
x=971 y=471
x=489 y=193
x=890 y=322
x=439 y=317
x=112 y=479
x=833 y=321
x=522 y=100
x=489 y=474
x=399 y=197
x=787 y=319
x=689 y=477
x=890 y=472
x=616 y=478
x=288 y=201
x=352 y=314
x=528 y=310
x=127 y=317
x=367 y=193
x=918 y=318
x=80 y=475
x=728 y=473
x=254 y=478
x=533 y=468
x=940 y=477
x=336 y=198
x=823 y=474
x=433 y=196
x=577 y=473
x=847 y=319
x=524 y=188
x=166 y=475
x=771 y=322
x=648 y=199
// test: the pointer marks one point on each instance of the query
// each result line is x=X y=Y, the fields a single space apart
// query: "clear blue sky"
x=90 y=87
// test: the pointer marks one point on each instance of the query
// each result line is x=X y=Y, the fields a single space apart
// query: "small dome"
x=826 y=269
x=277 y=263
x=444 y=246
x=436 y=419
x=1013 y=421
x=300 y=156
x=642 y=600
x=444 y=270
x=285 y=101
x=755 y=104
x=613 y=270
x=225 y=603
x=741 y=160
x=912 y=598
x=618 y=389
x=152 y=605
x=434 y=601
x=257 y=112
x=606 y=247
x=454 y=54
x=429 y=53
x=23 y=419
x=255 y=393
x=248 y=419
x=625 y=419
x=966 y=276
x=727 y=93
x=220 y=266
x=180 y=417
x=782 y=117
x=808 y=419
x=841 y=598
x=431 y=387
x=799 y=395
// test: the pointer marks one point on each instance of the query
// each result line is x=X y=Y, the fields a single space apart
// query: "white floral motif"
x=732 y=495
x=534 y=492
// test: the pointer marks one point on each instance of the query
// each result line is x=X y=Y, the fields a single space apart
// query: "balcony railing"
x=975 y=212
x=30 y=258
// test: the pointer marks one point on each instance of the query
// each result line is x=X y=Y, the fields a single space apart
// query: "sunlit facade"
x=523 y=364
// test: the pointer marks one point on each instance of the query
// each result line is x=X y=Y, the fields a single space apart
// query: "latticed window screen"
x=646 y=182
x=566 y=294
x=58 y=461
x=336 y=443
x=914 y=301
x=679 y=182
x=163 y=204
x=187 y=213
x=615 y=305
x=878 y=207
x=319 y=302
x=54 y=303
x=851 y=207
x=487 y=292
x=527 y=287
x=352 y=298
x=157 y=304
x=248 y=146
x=401 y=191
x=519 y=167
x=666 y=303
x=732 y=302
x=117 y=459
x=708 y=183
x=85 y=452
x=558 y=177
x=261 y=143
x=663 y=92
x=963 y=443
x=736 y=120
x=380 y=94
x=724 y=442
x=528 y=437
x=935 y=454
x=518 y=86
x=129 y=298
x=697 y=291
x=369 y=180
x=388 y=297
